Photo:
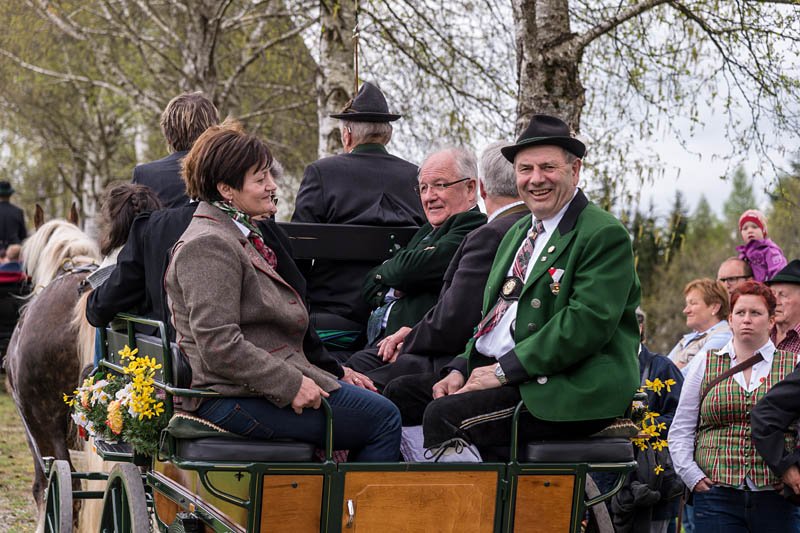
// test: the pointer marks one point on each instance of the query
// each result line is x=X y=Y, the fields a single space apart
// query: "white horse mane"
x=54 y=243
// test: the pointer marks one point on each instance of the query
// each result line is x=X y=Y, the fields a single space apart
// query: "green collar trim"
x=370 y=148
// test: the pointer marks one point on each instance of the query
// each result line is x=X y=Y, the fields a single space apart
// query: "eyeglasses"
x=732 y=279
x=438 y=187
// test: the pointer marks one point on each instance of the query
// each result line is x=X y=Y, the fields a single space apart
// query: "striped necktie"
x=496 y=313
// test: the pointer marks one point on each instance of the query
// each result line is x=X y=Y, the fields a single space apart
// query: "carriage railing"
x=165 y=378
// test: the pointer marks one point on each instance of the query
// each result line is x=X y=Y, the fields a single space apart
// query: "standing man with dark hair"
x=12 y=219
x=364 y=185
x=183 y=120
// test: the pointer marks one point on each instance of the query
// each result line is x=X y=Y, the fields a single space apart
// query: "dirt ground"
x=17 y=510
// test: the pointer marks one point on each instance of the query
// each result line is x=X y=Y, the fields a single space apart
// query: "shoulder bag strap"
x=757 y=358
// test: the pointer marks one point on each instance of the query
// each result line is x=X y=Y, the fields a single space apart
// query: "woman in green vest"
x=710 y=438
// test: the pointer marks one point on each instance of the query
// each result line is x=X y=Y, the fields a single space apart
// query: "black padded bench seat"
x=236 y=449
x=592 y=450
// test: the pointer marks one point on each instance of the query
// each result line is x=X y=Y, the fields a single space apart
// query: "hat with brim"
x=546 y=130
x=789 y=274
x=369 y=105
x=6 y=189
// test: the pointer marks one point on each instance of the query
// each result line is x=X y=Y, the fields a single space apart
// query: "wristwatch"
x=500 y=375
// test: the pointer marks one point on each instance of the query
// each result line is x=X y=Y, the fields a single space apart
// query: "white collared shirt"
x=500 y=340
x=682 y=431
x=501 y=210
x=244 y=229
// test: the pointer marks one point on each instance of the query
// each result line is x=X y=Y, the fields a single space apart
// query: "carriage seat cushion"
x=239 y=449
x=200 y=440
x=591 y=450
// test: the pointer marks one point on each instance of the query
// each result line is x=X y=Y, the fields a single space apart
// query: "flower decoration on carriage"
x=650 y=429
x=124 y=406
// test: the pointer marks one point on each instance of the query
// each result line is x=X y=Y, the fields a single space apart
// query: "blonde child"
x=765 y=257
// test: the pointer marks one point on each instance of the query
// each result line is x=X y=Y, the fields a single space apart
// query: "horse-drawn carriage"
x=219 y=482
x=203 y=479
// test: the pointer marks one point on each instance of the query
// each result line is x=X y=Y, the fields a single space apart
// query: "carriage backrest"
x=346 y=242
x=175 y=371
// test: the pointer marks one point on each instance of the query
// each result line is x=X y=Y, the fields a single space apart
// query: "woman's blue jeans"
x=727 y=510
x=364 y=422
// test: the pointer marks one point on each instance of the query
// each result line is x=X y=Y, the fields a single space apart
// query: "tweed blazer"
x=240 y=324
x=577 y=338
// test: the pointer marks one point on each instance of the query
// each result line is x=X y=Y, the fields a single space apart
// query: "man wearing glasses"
x=733 y=272
x=405 y=287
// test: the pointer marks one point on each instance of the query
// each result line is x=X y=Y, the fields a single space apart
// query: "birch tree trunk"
x=548 y=60
x=335 y=77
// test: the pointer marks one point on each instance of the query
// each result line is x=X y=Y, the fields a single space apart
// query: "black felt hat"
x=369 y=105
x=6 y=189
x=545 y=129
x=789 y=274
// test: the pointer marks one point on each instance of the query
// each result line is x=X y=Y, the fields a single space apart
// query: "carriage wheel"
x=124 y=503
x=58 y=499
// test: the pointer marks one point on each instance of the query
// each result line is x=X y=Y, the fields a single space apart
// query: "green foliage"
x=676 y=227
x=679 y=249
x=17 y=508
x=784 y=215
x=82 y=86
x=741 y=198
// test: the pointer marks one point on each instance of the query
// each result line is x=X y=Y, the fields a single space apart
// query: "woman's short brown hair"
x=224 y=154
x=755 y=288
x=122 y=203
x=713 y=292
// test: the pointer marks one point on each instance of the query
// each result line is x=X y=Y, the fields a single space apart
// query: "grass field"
x=17 y=510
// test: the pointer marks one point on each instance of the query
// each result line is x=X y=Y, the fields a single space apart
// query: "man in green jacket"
x=402 y=289
x=559 y=330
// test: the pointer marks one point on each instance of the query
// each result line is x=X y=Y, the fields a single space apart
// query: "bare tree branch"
x=583 y=40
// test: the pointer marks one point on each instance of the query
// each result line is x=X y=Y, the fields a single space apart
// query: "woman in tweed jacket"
x=242 y=326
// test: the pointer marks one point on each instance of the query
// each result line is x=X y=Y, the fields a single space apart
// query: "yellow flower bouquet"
x=124 y=407
x=650 y=429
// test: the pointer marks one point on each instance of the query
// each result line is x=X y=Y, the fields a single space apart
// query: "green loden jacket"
x=576 y=344
x=418 y=269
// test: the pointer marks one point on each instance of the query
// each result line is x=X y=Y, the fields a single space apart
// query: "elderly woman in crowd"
x=706 y=310
x=241 y=325
x=710 y=438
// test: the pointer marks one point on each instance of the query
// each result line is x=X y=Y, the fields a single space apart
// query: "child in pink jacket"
x=765 y=257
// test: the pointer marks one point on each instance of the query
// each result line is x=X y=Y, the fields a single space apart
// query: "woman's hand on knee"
x=309 y=395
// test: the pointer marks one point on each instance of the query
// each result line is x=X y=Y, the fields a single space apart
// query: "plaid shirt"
x=790 y=343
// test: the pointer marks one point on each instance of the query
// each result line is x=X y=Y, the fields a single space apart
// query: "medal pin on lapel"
x=556 y=274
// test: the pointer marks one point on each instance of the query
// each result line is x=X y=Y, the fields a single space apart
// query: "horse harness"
x=71 y=265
